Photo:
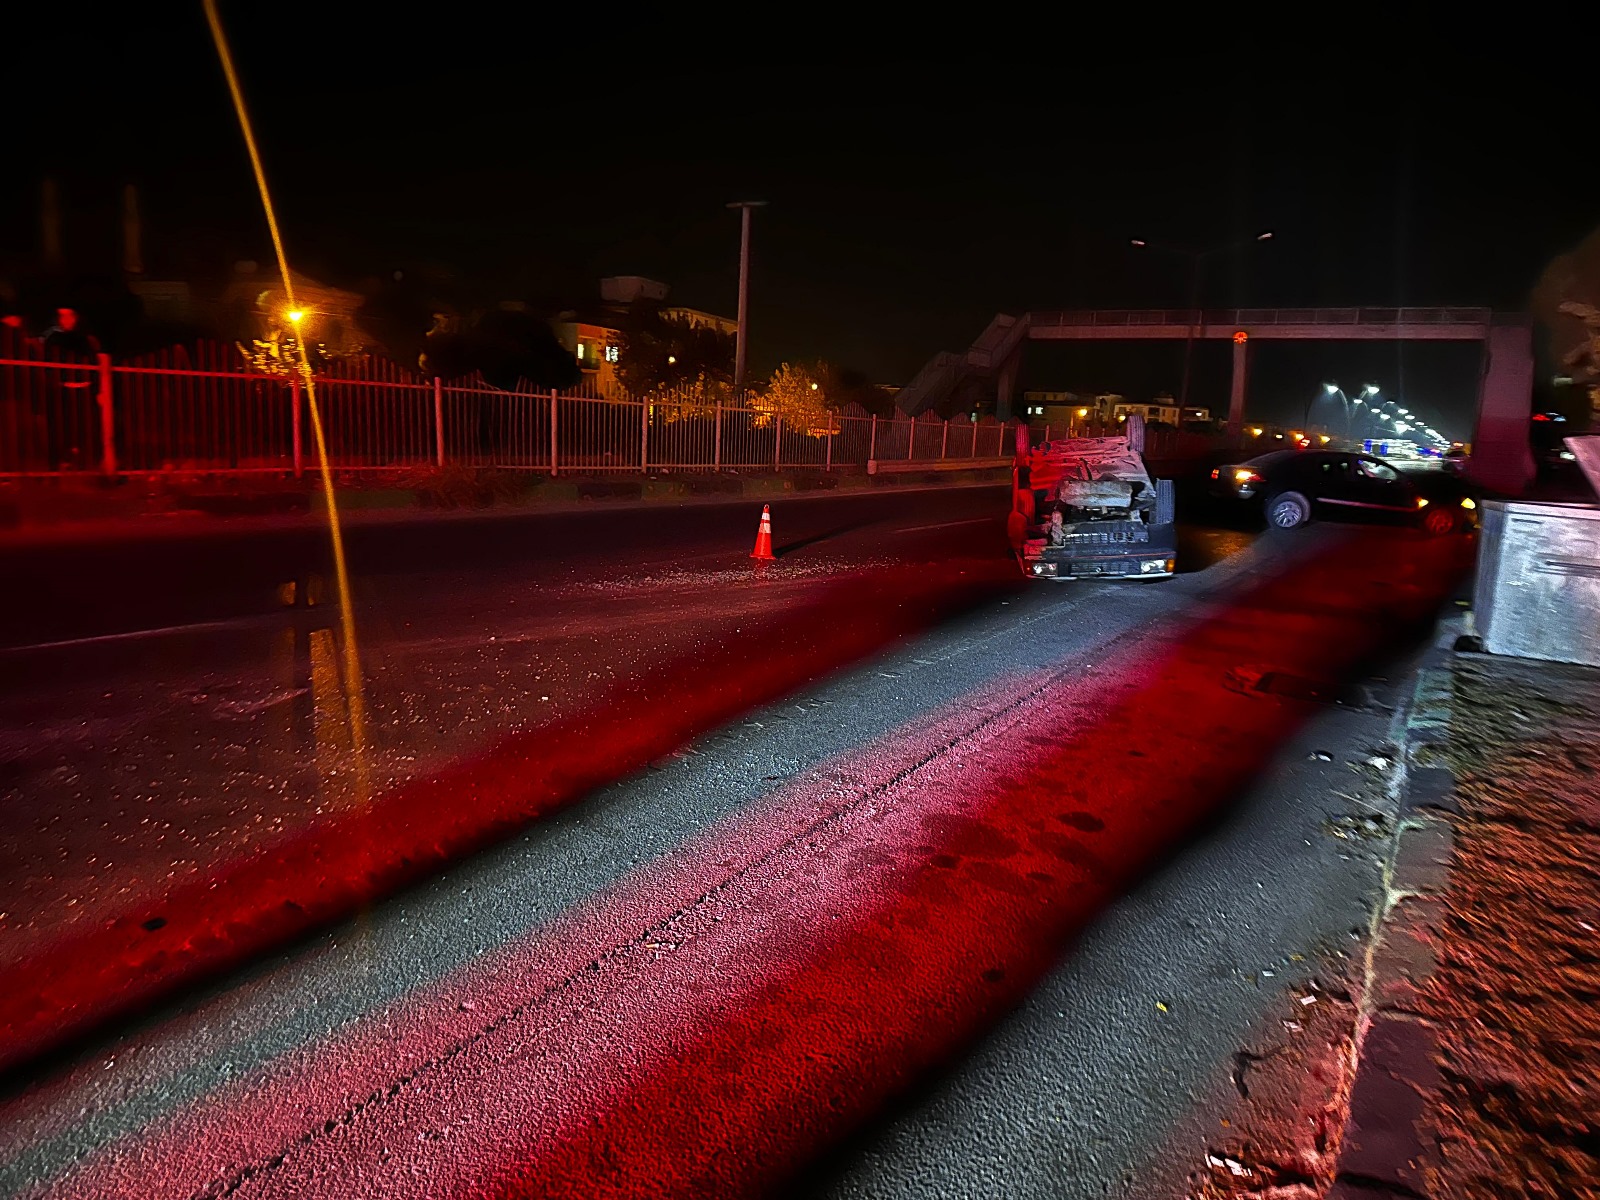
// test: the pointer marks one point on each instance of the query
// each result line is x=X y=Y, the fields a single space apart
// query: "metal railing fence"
x=200 y=411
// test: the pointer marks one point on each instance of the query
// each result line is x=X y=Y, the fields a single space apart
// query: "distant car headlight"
x=1568 y=456
x=1468 y=502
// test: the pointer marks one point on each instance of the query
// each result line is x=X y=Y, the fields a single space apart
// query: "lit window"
x=580 y=351
x=612 y=354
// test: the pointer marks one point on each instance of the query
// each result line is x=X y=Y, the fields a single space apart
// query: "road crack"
x=1069 y=671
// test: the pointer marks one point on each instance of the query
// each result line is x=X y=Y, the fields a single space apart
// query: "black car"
x=1293 y=486
x=1547 y=434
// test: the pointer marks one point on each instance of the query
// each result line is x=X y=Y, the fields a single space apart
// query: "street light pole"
x=740 y=338
x=1197 y=260
x=1348 y=405
x=1305 y=417
x=1188 y=345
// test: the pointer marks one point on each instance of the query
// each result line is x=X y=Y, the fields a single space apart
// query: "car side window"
x=1334 y=468
x=1373 y=469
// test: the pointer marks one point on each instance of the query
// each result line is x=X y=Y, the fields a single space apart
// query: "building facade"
x=595 y=336
x=597 y=345
x=1162 y=409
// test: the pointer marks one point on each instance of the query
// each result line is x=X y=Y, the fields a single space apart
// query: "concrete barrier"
x=904 y=467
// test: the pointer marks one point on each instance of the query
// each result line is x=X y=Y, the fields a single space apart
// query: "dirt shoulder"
x=1514 y=997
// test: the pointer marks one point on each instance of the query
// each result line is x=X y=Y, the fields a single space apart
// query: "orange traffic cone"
x=763 y=550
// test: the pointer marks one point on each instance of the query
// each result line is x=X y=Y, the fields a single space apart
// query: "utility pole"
x=741 y=340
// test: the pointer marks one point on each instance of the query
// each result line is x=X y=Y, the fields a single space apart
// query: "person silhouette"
x=68 y=337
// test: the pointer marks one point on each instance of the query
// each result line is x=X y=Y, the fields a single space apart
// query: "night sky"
x=910 y=199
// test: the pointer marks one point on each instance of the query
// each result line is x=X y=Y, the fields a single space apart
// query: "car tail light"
x=1216 y=472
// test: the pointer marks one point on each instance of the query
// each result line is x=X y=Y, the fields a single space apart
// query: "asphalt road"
x=828 y=935
x=166 y=711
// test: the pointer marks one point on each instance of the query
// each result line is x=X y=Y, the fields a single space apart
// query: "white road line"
x=944 y=525
x=134 y=635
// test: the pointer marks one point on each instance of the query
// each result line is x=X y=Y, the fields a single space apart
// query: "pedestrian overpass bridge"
x=1501 y=457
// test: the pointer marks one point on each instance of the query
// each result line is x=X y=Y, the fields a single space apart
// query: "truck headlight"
x=1155 y=566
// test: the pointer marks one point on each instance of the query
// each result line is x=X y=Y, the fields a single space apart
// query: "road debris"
x=1232 y=1165
x=1364 y=826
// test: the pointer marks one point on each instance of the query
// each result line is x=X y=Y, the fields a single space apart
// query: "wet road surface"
x=792 y=913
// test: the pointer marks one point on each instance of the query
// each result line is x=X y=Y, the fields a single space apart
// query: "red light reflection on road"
x=332 y=869
x=805 y=962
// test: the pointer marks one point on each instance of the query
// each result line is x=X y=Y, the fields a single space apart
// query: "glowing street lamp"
x=1333 y=389
x=295 y=316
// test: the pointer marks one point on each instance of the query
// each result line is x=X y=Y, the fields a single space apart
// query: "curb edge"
x=1381 y=1151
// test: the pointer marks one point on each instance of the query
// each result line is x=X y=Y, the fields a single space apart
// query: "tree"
x=660 y=355
x=279 y=354
x=504 y=347
x=1567 y=303
x=396 y=319
x=447 y=354
x=517 y=345
x=798 y=394
x=845 y=387
x=1584 y=358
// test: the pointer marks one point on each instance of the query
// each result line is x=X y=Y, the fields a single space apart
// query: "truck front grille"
x=1116 y=533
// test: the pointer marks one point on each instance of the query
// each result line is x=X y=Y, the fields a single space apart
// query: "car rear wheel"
x=1288 y=510
x=1438 y=521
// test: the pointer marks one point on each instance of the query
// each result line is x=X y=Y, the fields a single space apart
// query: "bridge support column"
x=1502 y=459
x=1006 y=387
x=1241 y=369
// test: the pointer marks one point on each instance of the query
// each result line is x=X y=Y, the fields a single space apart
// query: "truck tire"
x=1133 y=429
x=1166 y=502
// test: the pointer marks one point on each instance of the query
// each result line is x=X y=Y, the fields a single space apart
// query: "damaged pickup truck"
x=1086 y=508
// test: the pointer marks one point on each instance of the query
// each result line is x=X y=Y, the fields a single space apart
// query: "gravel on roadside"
x=1515 y=994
